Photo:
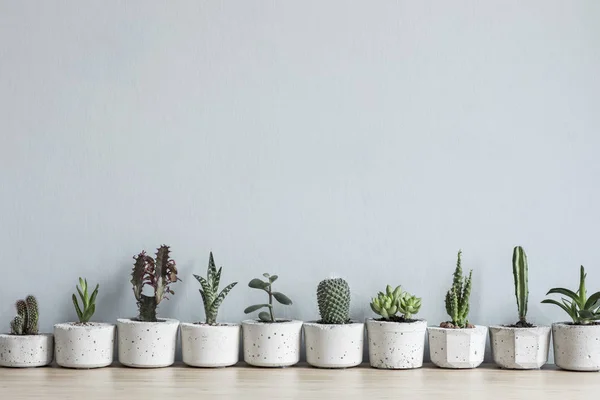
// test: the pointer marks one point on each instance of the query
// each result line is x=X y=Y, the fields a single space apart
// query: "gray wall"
x=368 y=140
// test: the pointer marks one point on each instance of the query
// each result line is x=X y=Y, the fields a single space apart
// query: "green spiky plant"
x=457 y=298
x=210 y=291
x=333 y=297
x=394 y=301
x=27 y=320
x=157 y=273
x=267 y=286
x=521 y=277
x=581 y=309
x=88 y=302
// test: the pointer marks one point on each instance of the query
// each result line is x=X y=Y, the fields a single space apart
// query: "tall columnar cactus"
x=210 y=291
x=520 y=272
x=457 y=298
x=333 y=297
x=157 y=273
x=27 y=320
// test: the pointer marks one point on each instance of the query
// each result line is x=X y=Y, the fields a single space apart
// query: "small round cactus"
x=333 y=296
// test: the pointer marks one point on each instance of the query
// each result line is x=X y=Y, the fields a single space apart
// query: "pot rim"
x=317 y=323
x=515 y=328
x=413 y=322
x=203 y=325
x=571 y=324
x=280 y=322
x=162 y=321
x=439 y=328
x=23 y=337
x=92 y=325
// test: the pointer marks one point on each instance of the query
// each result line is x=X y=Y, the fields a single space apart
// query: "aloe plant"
x=210 y=291
x=88 y=302
x=583 y=310
x=267 y=286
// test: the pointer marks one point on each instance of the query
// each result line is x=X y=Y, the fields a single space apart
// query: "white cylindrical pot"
x=147 y=344
x=205 y=345
x=275 y=344
x=457 y=348
x=89 y=345
x=396 y=345
x=24 y=351
x=520 y=348
x=576 y=347
x=334 y=345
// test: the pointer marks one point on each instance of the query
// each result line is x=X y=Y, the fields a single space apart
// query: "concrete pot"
x=334 y=345
x=147 y=344
x=457 y=348
x=396 y=345
x=84 y=346
x=275 y=344
x=520 y=348
x=24 y=351
x=210 y=346
x=576 y=347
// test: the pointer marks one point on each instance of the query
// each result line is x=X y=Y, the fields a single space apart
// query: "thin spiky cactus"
x=520 y=274
x=457 y=298
x=26 y=322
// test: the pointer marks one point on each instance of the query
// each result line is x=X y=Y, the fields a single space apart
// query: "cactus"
x=333 y=296
x=408 y=305
x=210 y=291
x=520 y=273
x=393 y=301
x=267 y=286
x=27 y=320
x=157 y=273
x=457 y=298
x=88 y=302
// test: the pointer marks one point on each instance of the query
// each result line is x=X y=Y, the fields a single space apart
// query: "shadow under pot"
x=457 y=348
x=147 y=344
x=396 y=345
x=272 y=344
x=204 y=345
x=23 y=351
x=88 y=345
x=576 y=347
x=334 y=345
x=520 y=348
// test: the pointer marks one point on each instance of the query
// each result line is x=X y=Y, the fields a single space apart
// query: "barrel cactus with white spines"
x=333 y=296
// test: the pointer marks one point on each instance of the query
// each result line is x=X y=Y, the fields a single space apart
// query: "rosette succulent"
x=408 y=305
x=395 y=301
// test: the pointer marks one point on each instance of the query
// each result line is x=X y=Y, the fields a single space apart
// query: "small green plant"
x=581 y=309
x=157 y=273
x=267 y=287
x=333 y=297
x=395 y=301
x=27 y=320
x=520 y=273
x=210 y=291
x=457 y=298
x=88 y=302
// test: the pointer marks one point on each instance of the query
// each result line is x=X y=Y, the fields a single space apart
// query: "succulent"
x=333 y=296
x=457 y=298
x=520 y=273
x=88 y=302
x=267 y=287
x=581 y=309
x=210 y=291
x=408 y=305
x=386 y=304
x=158 y=273
x=26 y=322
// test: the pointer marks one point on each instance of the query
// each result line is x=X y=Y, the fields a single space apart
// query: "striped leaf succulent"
x=210 y=291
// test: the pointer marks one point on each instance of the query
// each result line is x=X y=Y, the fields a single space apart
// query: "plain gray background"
x=367 y=140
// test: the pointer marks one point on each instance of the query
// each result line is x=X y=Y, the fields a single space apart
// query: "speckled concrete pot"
x=147 y=344
x=396 y=345
x=576 y=347
x=210 y=346
x=333 y=345
x=520 y=348
x=84 y=346
x=457 y=348
x=24 y=351
x=272 y=344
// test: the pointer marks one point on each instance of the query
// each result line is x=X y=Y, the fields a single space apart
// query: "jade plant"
x=27 y=320
x=583 y=310
x=333 y=297
x=211 y=297
x=457 y=298
x=157 y=273
x=395 y=301
x=87 y=302
x=267 y=286
x=520 y=274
